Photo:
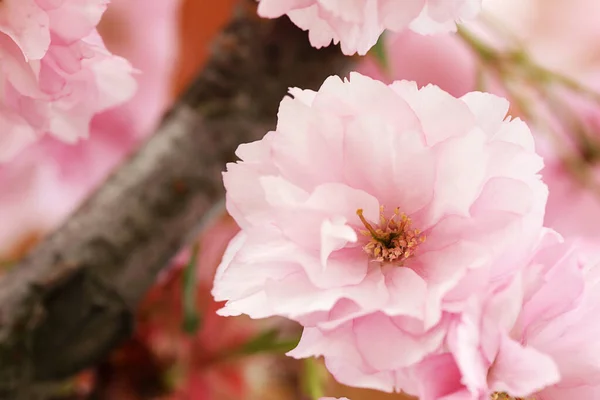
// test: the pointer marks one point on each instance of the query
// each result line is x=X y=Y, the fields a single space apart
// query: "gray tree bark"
x=73 y=298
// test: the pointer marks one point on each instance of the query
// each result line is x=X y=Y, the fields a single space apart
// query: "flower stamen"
x=393 y=240
x=504 y=396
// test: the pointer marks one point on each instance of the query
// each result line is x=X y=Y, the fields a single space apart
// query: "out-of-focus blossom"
x=361 y=178
x=574 y=202
x=30 y=24
x=535 y=337
x=558 y=34
x=333 y=398
x=146 y=34
x=357 y=24
x=56 y=73
x=562 y=37
x=42 y=184
x=440 y=60
x=572 y=155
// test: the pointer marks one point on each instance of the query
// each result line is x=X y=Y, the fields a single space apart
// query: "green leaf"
x=191 y=316
x=379 y=52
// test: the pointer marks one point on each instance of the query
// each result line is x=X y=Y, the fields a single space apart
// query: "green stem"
x=518 y=62
x=485 y=52
x=545 y=75
x=516 y=67
x=191 y=316
x=313 y=379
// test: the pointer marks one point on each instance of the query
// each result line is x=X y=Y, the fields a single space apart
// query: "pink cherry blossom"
x=30 y=24
x=573 y=206
x=531 y=336
x=357 y=24
x=333 y=398
x=45 y=181
x=379 y=208
x=535 y=337
x=55 y=72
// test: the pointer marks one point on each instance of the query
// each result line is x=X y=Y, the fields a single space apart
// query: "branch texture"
x=73 y=298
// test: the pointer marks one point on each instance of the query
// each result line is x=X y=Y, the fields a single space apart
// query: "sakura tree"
x=349 y=198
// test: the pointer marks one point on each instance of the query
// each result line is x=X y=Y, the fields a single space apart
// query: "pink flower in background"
x=357 y=24
x=573 y=170
x=381 y=207
x=559 y=34
x=56 y=73
x=30 y=24
x=41 y=185
x=440 y=60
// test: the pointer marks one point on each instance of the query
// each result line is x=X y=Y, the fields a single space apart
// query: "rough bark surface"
x=73 y=297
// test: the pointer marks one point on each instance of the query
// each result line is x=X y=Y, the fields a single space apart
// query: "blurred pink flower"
x=357 y=24
x=572 y=170
x=440 y=60
x=56 y=71
x=572 y=50
x=30 y=24
x=333 y=398
x=558 y=34
x=41 y=185
x=361 y=178
x=573 y=207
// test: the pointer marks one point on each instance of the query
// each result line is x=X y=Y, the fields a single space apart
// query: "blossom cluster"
x=55 y=72
x=357 y=24
x=409 y=231
x=404 y=229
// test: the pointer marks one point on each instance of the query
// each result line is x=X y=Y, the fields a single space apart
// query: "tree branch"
x=73 y=297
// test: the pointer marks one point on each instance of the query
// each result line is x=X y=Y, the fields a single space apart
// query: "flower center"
x=392 y=240
x=504 y=396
